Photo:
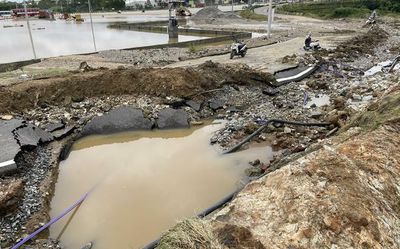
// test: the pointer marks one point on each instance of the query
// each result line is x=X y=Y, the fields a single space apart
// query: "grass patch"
x=191 y=233
x=251 y=15
x=328 y=10
x=193 y=48
x=344 y=8
x=36 y=73
x=348 y=12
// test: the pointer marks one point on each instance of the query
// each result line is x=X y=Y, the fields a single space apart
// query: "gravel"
x=34 y=168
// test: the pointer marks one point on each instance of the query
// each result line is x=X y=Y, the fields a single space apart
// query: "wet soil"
x=180 y=82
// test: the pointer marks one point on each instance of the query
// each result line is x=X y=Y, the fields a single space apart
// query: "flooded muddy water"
x=55 y=38
x=142 y=184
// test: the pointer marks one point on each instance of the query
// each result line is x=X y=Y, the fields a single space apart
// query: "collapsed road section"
x=16 y=134
x=104 y=101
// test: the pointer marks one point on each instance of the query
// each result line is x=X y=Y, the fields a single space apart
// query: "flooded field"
x=54 y=38
x=143 y=183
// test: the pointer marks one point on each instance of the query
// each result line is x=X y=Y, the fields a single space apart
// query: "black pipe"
x=271 y=121
x=394 y=64
x=203 y=214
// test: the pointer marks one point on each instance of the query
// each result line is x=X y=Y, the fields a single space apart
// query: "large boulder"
x=172 y=119
x=118 y=120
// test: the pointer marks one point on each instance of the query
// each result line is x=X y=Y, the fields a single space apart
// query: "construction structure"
x=173 y=22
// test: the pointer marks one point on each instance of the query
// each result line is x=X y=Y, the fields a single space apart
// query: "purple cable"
x=51 y=221
x=305 y=98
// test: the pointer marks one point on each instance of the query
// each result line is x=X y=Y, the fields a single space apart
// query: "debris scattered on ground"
x=245 y=98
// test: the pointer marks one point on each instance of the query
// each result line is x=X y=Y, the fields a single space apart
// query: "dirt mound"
x=180 y=82
x=363 y=44
x=213 y=14
x=343 y=194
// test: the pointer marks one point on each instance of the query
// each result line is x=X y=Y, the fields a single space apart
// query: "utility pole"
x=29 y=31
x=91 y=24
x=62 y=10
x=269 y=18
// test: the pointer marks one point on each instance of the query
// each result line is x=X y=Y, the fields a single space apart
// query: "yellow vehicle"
x=78 y=18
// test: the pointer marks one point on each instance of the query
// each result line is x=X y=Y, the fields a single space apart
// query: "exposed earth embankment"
x=180 y=82
x=343 y=193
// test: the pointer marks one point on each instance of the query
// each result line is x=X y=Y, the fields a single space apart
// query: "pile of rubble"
x=209 y=15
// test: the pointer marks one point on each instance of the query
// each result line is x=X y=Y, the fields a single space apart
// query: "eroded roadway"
x=267 y=58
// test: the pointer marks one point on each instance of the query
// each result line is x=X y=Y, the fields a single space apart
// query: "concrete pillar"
x=173 y=28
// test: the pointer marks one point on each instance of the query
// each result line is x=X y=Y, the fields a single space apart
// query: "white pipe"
x=29 y=31
x=296 y=76
x=91 y=24
x=7 y=163
x=269 y=18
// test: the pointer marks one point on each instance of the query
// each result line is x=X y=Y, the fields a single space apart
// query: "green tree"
x=7 y=5
x=109 y=4
x=46 y=4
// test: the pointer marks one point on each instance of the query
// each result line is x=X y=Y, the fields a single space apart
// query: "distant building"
x=131 y=3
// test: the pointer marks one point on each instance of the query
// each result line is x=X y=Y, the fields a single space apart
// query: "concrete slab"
x=55 y=126
x=14 y=134
x=30 y=135
x=59 y=134
x=9 y=145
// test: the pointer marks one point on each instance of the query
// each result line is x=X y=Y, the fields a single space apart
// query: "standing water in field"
x=143 y=183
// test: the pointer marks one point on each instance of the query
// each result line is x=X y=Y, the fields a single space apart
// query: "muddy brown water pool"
x=143 y=183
